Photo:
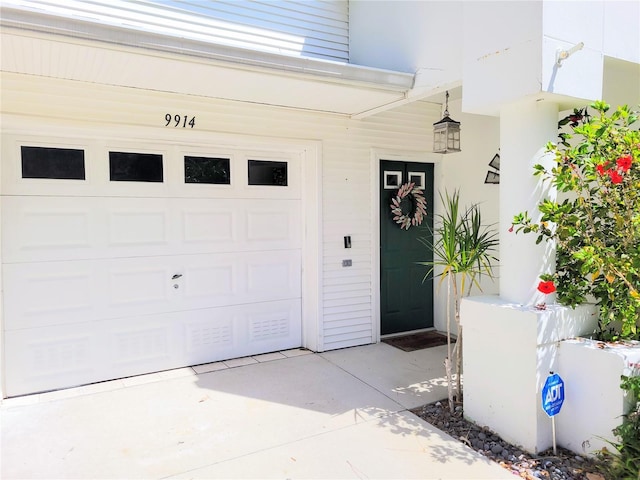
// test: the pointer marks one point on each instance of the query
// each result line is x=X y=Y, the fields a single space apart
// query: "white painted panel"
x=37 y=295
x=235 y=278
x=38 y=229
x=71 y=228
x=131 y=227
x=219 y=280
x=208 y=226
x=273 y=225
x=275 y=274
x=142 y=285
x=49 y=229
x=83 y=291
x=47 y=358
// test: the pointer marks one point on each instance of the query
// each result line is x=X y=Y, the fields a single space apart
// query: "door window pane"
x=135 y=167
x=60 y=163
x=263 y=172
x=417 y=178
x=207 y=170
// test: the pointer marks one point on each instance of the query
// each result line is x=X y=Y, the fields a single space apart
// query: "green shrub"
x=625 y=463
x=596 y=225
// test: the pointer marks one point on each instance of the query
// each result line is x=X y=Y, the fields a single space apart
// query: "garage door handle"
x=176 y=276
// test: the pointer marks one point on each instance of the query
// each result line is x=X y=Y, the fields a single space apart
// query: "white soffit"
x=36 y=44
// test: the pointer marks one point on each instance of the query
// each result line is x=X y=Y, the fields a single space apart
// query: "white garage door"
x=120 y=259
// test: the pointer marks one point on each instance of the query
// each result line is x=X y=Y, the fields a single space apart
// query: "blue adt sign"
x=552 y=394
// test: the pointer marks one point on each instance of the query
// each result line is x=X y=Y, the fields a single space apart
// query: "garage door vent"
x=142 y=345
x=61 y=356
x=269 y=328
x=205 y=336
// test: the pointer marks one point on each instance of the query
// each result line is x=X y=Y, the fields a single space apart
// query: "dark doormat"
x=417 y=341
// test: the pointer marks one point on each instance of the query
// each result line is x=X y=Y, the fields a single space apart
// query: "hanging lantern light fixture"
x=446 y=132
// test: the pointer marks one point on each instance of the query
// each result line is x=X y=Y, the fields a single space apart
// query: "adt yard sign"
x=553 y=394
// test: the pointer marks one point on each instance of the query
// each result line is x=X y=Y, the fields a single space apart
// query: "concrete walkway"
x=288 y=415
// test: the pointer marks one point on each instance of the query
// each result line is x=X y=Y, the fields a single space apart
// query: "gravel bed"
x=566 y=465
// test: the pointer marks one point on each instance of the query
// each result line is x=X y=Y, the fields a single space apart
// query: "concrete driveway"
x=336 y=415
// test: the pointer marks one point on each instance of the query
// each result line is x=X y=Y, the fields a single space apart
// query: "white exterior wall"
x=591 y=373
x=466 y=171
x=505 y=61
x=501 y=59
x=514 y=348
x=348 y=300
x=621 y=83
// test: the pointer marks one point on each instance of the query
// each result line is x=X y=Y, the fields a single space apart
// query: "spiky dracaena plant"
x=463 y=250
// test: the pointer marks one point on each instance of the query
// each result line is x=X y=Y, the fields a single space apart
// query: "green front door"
x=406 y=303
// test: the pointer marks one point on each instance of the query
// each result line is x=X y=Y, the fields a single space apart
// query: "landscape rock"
x=566 y=465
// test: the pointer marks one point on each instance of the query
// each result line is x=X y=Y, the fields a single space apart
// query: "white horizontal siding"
x=310 y=28
x=347 y=293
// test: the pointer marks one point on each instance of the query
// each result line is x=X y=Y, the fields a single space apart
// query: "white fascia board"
x=314 y=68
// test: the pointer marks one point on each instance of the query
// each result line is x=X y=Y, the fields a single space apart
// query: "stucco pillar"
x=510 y=346
x=525 y=129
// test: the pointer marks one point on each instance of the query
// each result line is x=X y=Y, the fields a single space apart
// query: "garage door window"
x=263 y=172
x=58 y=163
x=207 y=170
x=135 y=167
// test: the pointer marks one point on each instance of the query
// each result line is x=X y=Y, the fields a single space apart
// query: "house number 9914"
x=179 y=121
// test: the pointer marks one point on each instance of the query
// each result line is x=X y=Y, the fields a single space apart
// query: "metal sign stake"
x=553 y=433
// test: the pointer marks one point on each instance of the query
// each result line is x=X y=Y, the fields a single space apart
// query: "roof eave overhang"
x=378 y=87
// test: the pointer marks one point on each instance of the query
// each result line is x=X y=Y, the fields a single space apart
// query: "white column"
x=525 y=129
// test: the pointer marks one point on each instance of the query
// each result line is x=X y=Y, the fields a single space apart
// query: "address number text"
x=179 y=121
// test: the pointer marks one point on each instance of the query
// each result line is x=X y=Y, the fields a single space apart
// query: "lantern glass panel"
x=440 y=139
x=453 y=138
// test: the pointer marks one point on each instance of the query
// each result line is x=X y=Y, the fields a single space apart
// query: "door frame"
x=407 y=156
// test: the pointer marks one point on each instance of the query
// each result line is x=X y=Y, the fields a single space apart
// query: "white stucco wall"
x=505 y=61
x=594 y=403
x=606 y=26
x=501 y=59
x=621 y=83
x=509 y=350
x=466 y=171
